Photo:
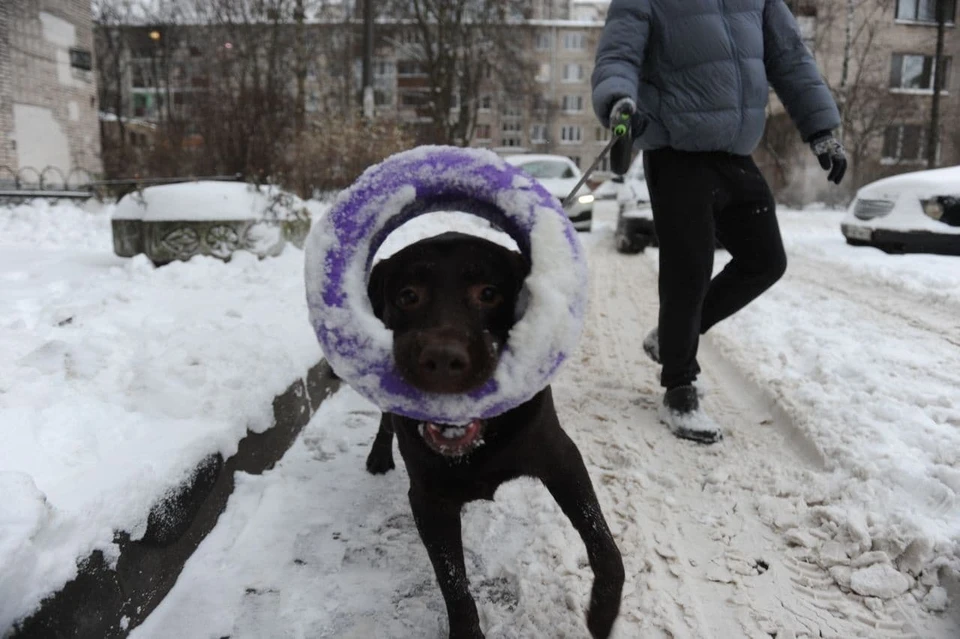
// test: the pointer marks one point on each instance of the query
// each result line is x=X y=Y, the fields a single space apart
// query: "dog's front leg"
x=380 y=459
x=438 y=522
x=570 y=485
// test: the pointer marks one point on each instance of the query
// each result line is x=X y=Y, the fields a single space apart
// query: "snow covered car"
x=915 y=212
x=559 y=174
x=634 y=215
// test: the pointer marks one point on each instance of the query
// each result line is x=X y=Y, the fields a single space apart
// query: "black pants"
x=697 y=198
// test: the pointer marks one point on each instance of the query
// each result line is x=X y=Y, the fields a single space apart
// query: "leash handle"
x=621 y=136
x=621 y=154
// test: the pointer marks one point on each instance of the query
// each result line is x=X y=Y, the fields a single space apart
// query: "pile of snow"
x=41 y=224
x=213 y=200
x=118 y=377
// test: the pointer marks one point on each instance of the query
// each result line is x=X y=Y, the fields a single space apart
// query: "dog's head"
x=450 y=301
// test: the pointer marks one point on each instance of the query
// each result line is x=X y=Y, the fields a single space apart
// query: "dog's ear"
x=376 y=288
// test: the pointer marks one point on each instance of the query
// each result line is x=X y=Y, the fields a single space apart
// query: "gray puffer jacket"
x=699 y=71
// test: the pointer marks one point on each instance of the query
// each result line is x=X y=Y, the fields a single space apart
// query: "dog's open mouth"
x=452 y=441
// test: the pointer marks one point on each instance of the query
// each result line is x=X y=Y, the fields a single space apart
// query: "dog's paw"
x=467 y=632
x=379 y=464
x=601 y=617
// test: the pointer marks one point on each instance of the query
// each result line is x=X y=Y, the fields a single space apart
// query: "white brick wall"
x=48 y=110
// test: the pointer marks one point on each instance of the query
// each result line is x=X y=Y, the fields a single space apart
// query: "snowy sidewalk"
x=746 y=539
x=117 y=378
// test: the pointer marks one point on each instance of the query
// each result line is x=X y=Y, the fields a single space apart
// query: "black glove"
x=829 y=151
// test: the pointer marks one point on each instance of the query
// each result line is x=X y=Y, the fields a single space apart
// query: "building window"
x=81 y=59
x=486 y=102
x=544 y=41
x=571 y=134
x=573 y=72
x=602 y=134
x=510 y=142
x=924 y=10
x=543 y=74
x=408 y=36
x=141 y=76
x=512 y=110
x=482 y=132
x=915 y=72
x=538 y=134
x=904 y=143
x=511 y=127
x=413 y=99
x=410 y=68
x=574 y=41
x=573 y=103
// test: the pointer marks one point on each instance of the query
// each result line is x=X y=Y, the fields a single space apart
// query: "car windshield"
x=548 y=169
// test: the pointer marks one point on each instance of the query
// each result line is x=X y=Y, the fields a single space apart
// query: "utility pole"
x=368 y=59
x=933 y=139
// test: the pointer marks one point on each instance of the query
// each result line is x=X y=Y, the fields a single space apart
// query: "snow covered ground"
x=830 y=510
x=117 y=378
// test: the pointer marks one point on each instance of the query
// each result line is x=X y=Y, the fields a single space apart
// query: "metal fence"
x=51 y=182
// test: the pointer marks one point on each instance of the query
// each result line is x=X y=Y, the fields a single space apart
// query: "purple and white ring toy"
x=340 y=251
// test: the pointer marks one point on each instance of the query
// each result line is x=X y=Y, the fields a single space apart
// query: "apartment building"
x=557 y=117
x=48 y=95
x=883 y=78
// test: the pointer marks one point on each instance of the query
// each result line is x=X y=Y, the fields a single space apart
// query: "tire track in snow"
x=924 y=314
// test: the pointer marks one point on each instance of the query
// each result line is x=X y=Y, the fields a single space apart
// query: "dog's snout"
x=445 y=358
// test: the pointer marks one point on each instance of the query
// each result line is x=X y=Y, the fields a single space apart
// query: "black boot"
x=682 y=414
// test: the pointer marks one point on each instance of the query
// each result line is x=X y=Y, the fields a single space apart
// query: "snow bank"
x=117 y=378
x=867 y=365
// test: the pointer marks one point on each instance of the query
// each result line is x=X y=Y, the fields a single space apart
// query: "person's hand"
x=622 y=112
x=830 y=153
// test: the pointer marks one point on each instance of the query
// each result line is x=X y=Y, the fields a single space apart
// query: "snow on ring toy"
x=340 y=251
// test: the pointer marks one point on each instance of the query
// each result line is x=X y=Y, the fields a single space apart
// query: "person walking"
x=692 y=77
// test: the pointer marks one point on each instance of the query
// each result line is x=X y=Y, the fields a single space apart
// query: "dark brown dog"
x=450 y=301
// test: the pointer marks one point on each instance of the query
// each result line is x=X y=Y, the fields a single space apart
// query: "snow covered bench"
x=177 y=221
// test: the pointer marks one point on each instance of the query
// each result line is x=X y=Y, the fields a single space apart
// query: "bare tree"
x=461 y=46
x=862 y=92
x=110 y=41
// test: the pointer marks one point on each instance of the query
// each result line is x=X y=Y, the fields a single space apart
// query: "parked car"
x=559 y=174
x=634 y=215
x=915 y=212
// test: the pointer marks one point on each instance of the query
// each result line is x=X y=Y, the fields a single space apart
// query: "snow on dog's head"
x=342 y=245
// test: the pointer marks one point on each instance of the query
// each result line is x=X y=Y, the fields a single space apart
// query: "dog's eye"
x=408 y=298
x=486 y=295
